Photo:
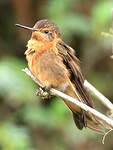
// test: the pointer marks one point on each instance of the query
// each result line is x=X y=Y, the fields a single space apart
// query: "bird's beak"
x=28 y=28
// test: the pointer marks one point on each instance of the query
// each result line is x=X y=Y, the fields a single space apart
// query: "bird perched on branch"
x=55 y=65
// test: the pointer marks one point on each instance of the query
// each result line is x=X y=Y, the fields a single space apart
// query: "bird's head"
x=43 y=31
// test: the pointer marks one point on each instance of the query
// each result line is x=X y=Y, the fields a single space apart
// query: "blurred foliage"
x=72 y=22
x=13 y=137
x=14 y=81
x=26 y=121
x=101 y=16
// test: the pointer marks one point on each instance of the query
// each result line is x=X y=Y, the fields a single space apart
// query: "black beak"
x=28 y=28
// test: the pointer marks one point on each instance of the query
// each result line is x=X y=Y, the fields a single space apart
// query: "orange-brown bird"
x=55 y=65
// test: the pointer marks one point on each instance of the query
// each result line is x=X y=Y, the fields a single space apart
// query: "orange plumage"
x=54 y=64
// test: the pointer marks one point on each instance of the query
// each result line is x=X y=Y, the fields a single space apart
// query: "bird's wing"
x=72 y=64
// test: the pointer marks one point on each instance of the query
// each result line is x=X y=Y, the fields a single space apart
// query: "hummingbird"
x=54 y=64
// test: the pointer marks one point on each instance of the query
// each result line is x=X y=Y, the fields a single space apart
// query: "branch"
x=72 y=100
x=99 y=95
x=28 y=72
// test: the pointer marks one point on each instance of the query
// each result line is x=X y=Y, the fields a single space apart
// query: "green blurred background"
x=26 y=121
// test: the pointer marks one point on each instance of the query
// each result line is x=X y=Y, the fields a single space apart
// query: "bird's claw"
x=43 y=93
x=46 y=89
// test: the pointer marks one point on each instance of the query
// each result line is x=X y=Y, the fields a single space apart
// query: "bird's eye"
x=46 y=31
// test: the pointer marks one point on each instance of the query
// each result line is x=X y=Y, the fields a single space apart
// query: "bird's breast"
x=48 y=67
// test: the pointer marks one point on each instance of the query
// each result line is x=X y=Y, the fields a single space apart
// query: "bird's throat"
x=39 y=47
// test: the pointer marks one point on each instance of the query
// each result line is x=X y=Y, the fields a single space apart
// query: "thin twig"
x=28 y=72
x=82 y=105
x=73 y=100
x=103 y=139
x=99 y=95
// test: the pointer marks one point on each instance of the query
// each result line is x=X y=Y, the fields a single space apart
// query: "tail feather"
x=96 y=121
x=92 y=123
x=95 y=127
x=82 y=118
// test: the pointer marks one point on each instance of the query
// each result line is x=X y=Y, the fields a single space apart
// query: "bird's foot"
x=44 y=92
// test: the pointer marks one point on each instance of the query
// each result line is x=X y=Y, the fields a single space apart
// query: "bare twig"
x=99 y=95
x=72 y=100
x=103 y=139
x=28 y=72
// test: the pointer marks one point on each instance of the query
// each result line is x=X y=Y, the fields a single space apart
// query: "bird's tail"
x=96 y=124
x=81 y=117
